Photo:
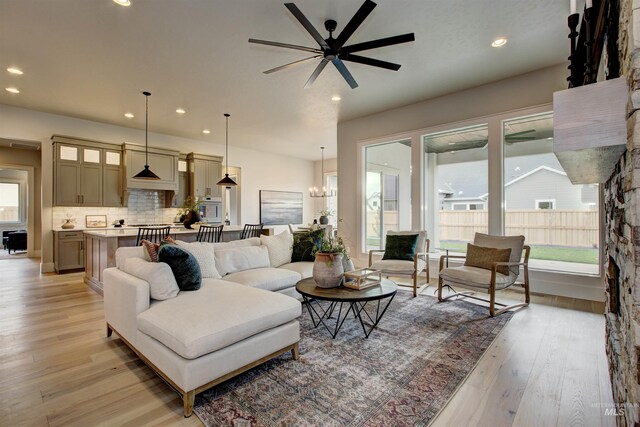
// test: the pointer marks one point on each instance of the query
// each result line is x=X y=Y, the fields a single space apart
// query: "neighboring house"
x=541 y=188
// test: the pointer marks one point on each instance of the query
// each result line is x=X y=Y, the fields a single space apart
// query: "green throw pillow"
x=184 y=266
x=305 y=245
x=400 y=246
x=478 y=256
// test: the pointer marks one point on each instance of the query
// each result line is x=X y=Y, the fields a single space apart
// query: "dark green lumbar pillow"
x=184 y=266
x=400 y=246
x=478 y=256
x=305 y=245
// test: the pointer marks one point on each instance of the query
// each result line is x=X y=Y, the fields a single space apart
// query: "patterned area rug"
x=403 y=374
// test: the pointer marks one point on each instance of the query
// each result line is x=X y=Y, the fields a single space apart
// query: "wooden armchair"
x=394 y=267
x=489 y=280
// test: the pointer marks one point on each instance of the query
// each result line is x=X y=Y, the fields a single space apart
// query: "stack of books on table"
x=362 y=278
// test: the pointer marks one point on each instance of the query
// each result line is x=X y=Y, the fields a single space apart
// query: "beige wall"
x=260 y=170
x=29 y=158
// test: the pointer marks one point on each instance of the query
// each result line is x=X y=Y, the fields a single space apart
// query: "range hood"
x=163 y=162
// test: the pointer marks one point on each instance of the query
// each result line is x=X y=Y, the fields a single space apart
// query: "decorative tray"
x=362 y=278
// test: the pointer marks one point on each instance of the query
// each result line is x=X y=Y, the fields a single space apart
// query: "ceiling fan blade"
x=370 y=61
x=345 y=73
x=291 y=64
x=374 y=44
x=355 y=22
x=306 y=24
x=285 y=45
x=316 y=73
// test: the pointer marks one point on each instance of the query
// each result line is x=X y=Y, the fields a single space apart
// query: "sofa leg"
x=109 y=331
x=188 y=400
x=295 y=351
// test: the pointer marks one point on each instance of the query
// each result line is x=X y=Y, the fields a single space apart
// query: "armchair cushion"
x=421 y=245
x=392 y=266
x=516 y=243
x=400 y=247
x=478 y=256
x=475 y=277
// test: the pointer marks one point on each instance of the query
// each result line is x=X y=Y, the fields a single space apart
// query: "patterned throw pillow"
x=305 y=245
x=478 y=256
x=280 y=248
x=150 y=252
x=400 y=246
x=184 y=266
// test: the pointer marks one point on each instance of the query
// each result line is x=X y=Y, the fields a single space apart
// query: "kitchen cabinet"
x=204 y=174
x=183 y=182
x=86 y=173
x=68 y=250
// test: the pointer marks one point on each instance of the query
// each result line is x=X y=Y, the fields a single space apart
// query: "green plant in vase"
x=191 y=212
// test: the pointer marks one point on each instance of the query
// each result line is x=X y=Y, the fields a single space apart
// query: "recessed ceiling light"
x=335 y=98
x=123 y=2
x=128 y=115
x=14 y=70
x=206 y=131
x=452 y=143
x=180 y=111
x=550 y=138
x=12 y=90
x=499 y=42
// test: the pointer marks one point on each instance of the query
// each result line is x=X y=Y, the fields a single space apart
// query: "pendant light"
x=313 y=192
x=146 y=172
x=226 y=181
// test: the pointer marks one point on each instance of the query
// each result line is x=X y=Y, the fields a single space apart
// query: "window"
x=331 y=182
x=545 y=204
x=387 y=198
x=9 y=202
x=558 y=219
x=455 y=186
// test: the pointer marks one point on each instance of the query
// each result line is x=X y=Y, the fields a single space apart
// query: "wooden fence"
x=540 y=226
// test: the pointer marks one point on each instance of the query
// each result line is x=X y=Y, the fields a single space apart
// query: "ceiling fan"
x=333 y=50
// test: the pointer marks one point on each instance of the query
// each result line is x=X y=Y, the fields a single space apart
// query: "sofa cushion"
x=162 y=283
x=184 y=266
x=241 y=258
x=269 y=279
x=204 y=254
x=190 y=326
x=303 y=268
x=280 y=248
x=252 y=241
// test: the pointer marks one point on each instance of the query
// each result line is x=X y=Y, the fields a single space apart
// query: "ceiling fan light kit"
x=333 y=49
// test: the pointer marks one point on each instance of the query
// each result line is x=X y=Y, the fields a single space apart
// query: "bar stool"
x=210 y=233
x=152 y=234
x=251 y=230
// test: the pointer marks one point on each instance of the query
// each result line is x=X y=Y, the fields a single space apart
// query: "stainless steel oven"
x=211 y=210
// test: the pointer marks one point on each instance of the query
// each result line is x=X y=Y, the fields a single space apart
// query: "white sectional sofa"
x=201 y=338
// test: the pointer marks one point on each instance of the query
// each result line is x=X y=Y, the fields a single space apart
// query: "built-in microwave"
x=211 y=210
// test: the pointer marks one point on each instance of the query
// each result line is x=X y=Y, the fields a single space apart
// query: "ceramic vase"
x=324 y=220
x=67 y=225
x=328 y=270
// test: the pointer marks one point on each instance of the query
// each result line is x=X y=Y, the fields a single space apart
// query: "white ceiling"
x=92 y=59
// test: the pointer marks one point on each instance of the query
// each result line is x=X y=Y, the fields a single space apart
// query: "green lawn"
x=553 y=253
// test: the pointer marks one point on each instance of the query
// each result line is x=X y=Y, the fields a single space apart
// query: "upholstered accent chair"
x=405 y=267
x=487 y=275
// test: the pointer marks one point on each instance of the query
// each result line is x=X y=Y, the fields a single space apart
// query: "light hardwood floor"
x=57 y=367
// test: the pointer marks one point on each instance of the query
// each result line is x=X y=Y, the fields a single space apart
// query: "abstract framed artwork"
x=280 y=207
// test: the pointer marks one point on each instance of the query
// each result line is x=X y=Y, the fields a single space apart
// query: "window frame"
x=538 y=201
x=22 y=202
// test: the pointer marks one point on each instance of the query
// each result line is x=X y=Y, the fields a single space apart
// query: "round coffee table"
x=337 y=297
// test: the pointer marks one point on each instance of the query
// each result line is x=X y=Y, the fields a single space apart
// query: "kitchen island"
x=101 y=245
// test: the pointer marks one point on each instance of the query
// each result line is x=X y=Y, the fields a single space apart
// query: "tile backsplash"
x=145 y=207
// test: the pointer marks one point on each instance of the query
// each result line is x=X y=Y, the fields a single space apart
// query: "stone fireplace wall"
x=622 y=237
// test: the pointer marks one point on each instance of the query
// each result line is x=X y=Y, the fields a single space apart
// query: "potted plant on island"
x=328 y=266
x=191 y=211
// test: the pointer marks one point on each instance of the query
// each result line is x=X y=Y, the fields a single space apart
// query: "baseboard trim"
x=47 y=267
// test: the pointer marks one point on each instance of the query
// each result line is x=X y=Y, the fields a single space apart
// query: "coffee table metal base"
x=319 y=314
